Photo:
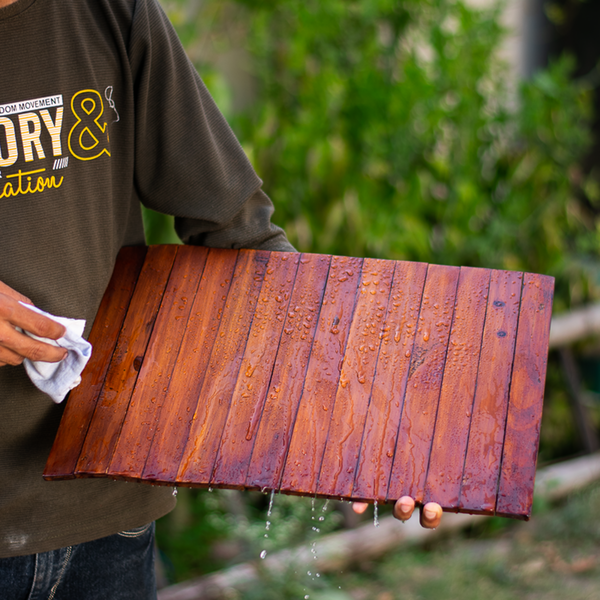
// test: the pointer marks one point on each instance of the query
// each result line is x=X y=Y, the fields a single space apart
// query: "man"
x=99 y=109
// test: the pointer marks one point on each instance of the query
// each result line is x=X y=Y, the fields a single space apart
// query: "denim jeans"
x=117 y=567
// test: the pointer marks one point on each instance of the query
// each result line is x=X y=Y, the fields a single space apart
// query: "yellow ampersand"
x=88 y=108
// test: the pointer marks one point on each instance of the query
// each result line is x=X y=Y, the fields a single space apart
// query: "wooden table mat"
x=312 y=374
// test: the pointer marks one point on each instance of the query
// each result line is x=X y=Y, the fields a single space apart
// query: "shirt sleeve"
x=188 y=161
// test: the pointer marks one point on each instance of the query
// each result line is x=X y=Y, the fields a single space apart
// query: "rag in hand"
x=58 y=379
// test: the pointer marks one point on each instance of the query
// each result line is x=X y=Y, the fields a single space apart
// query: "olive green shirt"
x=100 y=110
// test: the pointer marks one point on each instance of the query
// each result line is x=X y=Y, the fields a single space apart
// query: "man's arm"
x=15 y=346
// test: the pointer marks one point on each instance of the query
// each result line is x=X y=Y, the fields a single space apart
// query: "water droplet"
x=263 y=554
x=270 y=507
x=174 y=491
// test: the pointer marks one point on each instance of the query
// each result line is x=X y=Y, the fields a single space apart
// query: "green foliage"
x=159 y=228
x=391 y=129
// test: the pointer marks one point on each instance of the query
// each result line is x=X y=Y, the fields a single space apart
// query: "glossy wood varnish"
x=313 y=374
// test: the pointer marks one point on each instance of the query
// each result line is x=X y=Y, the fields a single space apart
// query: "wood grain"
x=155 y=373
x=354 y=391
x=451 y=431
x=486 y=433
x=338 y=377
x=213 y=404
x=309 y=436
x=274 y=429
x=389 y=386
x=82 y=400
x=515 y=489
x=424 y=383
x=251 y=389
x=112 y=405
x=172 y=429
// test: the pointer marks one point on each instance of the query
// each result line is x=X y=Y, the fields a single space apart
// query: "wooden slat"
x=515 y=489
x=154 y=377
x=486 y=434
x=283 y=371
x=122 y=374
x=444 y=474
x=172 y=429
x=389 y=386
x=353 y=394
x=209 y=418
x=251 y=389
x=103 y=336
x=424 y=384
x=309 y=436
x=285 y=390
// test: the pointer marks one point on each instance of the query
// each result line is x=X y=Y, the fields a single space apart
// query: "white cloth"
x=58 y=379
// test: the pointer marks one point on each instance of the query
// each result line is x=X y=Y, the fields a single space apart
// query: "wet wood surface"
x=174 y=423
x=428 y=358
x=305 y=454
x=103 y=336
x=486 y=434
x=344 y=438
x=225 y=360
x=342 y=377
x=113 y=403
x=455 y=407
x=252 y=385
x=389 y=385
x=522 y=434
x=288 y=378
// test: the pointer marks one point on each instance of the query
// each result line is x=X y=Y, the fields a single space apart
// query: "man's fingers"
x=13 y=343
x=8 y=357
x=431 y=515
x=404 y=507
x=19 y=316
x=359 y=507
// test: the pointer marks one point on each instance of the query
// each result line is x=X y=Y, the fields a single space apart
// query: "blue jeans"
x=117 y=567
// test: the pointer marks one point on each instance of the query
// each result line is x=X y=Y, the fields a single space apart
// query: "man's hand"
x=16 y=346
x=431 y=513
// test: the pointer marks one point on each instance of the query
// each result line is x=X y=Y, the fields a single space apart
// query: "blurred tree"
x=384 y=128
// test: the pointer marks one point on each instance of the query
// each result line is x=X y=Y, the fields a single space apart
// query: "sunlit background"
x=442 y=131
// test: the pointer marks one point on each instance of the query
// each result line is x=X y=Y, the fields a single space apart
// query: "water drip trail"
x=376 y=514
x=263 y=553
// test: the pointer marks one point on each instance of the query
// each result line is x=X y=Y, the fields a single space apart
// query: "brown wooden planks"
x=103 y=336
x=112 y=405
x=226 y=357
x=515 y=489
x=188 y=376
x=274 y=430
x=451 y=431
x=486 y=433
x=354 y=391
x=154 y=377
x=389 y=386
x=424 y=383
x=309 y=435
x=232 y=376
x=253 y=382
